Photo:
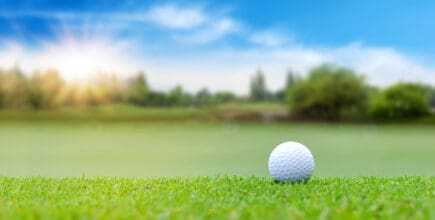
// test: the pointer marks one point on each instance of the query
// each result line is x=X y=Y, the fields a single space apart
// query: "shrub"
x=400 y=101
x=225 y=96
x=178 y=97
x=329 y=93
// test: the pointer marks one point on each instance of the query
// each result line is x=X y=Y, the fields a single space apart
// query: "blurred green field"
x=125 y=112
x=160 y=149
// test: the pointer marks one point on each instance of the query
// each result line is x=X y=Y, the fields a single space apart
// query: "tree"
x=329 y=93
x=432 y=97
x=203 y=97
x=291 y=80
x=138 y=90
x=44 y=89
x=177 y=97
x=112 y=86
x=400 y=101
x=13 y=86
x=258 y=90
x=2 y=95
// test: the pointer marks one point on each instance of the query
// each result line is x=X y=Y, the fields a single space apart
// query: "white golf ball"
x=291 y=162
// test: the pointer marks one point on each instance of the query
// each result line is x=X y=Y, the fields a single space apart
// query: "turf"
x=128 y=113
x=207 y=149
x=219 y=197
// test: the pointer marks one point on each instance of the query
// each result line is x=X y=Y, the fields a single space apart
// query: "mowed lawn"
x=188 y=149
x=219 y=197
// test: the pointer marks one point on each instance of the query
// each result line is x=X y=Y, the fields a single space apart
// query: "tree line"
x=48 y=90
x=328 y=92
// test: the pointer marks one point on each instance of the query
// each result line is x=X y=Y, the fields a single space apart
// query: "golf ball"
x=291 y=162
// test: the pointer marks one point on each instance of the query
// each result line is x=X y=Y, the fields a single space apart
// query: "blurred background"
x=190 y=88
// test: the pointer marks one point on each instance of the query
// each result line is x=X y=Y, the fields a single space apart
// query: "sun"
x=80 y=59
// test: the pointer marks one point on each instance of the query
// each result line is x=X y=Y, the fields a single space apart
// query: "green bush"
x=156 y=98
x=329 y=93
x=178 y=97
x=224 y=97
x=400 y=101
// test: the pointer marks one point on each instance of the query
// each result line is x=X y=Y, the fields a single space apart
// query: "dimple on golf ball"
x=291 y=162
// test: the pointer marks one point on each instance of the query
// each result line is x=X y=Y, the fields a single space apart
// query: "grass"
x=163 y=149
x=224 y=169
x=125 y=112
x=115 y=112
x=218 y=197
x=252 y=106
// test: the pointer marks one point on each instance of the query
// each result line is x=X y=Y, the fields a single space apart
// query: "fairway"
x=56 y=149
x=217 y=198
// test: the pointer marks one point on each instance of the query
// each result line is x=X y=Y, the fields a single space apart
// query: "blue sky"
x=219 y=44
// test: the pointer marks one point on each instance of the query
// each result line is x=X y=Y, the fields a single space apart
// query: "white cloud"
x=213 y=31
x=383 y=66
x=192 y=25
x=172 y=16
x=268 y=38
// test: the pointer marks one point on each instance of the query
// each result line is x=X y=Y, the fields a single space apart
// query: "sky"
x=219 y=44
